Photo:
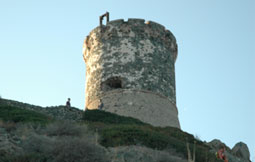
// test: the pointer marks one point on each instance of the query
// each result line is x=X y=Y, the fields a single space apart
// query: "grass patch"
x=108 y=118
x=14 y=114
x=132 y=135
x=155 y=138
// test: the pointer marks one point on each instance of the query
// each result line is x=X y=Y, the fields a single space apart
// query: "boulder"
x=241 y=150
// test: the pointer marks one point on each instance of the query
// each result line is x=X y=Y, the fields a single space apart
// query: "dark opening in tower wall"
x=112 y=83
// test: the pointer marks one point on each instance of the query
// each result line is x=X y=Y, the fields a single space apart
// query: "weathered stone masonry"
x=130 y=69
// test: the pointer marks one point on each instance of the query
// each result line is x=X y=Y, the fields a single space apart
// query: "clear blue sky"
x=41 y=57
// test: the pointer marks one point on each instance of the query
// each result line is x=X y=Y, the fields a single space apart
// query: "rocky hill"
x=30 y=133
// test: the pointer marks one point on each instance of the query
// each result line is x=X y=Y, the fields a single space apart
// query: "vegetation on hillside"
x=78 y=141
x=60 y=141
x=14 y=114
x=115 y=130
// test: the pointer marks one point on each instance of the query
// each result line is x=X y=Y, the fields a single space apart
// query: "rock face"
x=241 y=150
x=132 y=63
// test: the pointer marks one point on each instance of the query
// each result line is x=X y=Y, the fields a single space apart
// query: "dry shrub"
x=79 y=150
x=38 y=144
x=26 y=131
x=65 y=128
x=9 y=125
x=64 y=142
x=168 y=158
x=62 y=149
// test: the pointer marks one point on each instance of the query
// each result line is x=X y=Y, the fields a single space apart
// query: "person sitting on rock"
x=68 y=103
x=221 y=154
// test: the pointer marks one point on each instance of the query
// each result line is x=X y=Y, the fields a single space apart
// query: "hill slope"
x=33 y=133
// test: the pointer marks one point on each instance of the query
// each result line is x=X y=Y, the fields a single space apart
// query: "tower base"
x=146 y=106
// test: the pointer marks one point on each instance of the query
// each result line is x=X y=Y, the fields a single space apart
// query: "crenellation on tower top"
x=116 y=22
x=136 y=21
x=131 y=28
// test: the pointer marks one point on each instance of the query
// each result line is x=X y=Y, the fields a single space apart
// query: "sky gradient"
x=41 y=57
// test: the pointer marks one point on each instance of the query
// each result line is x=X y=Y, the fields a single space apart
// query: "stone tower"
x=130 y=71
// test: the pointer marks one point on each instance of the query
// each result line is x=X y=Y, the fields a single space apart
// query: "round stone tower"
x=130 y=71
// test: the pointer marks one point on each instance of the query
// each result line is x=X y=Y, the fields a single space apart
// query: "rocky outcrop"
x=63 y=113
x=241 y=150
x=239 y=153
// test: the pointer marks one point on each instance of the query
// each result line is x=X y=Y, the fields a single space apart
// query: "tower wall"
x=130 y=71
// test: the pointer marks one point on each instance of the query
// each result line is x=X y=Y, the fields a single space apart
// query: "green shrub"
x=10 y=113
x=133 y=135
x=30 y=157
